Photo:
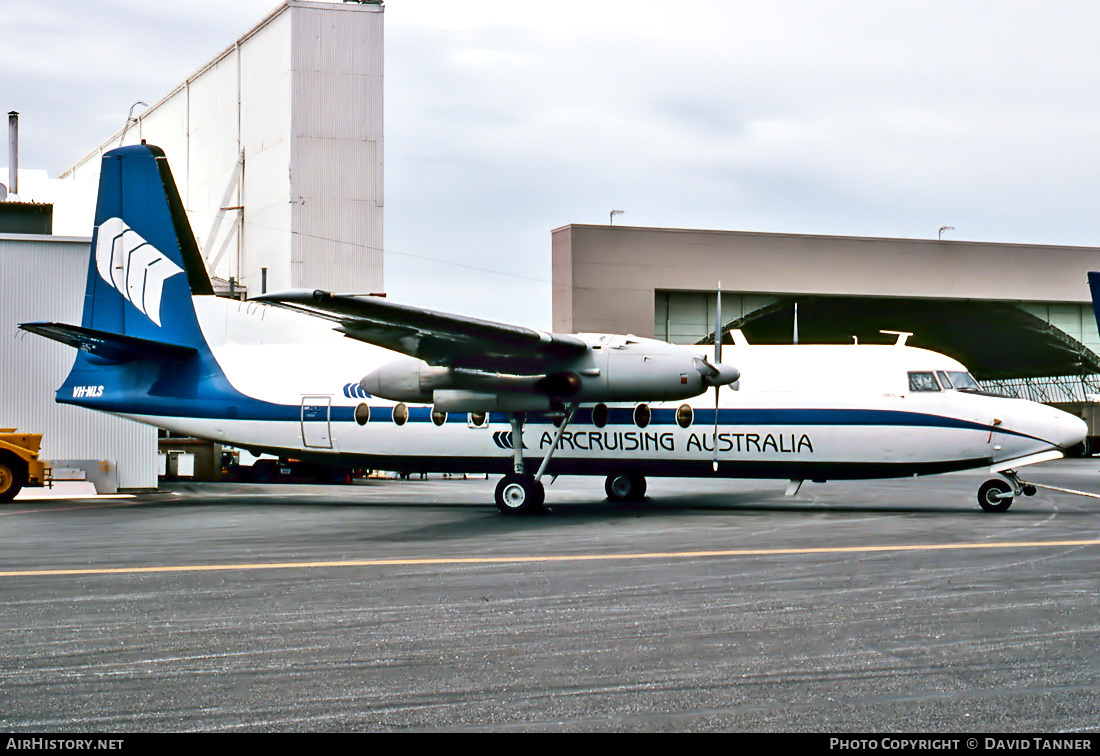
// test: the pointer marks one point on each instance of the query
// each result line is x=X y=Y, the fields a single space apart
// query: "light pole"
x=945 y=228
x=613 y=214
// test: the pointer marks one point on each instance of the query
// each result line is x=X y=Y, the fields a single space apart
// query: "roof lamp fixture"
x=945 y=228
x=614 y=213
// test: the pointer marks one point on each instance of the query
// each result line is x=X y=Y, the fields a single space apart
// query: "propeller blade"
x=718 y=328
x=705 y=369
x=717 y=358
x=714 y=462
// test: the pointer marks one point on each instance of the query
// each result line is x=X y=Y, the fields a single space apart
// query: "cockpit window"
x=923 y=382
x=963 y=381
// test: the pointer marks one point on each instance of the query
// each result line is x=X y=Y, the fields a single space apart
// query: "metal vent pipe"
x=13 y=152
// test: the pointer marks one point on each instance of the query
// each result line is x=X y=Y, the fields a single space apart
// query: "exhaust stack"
x=13 y=152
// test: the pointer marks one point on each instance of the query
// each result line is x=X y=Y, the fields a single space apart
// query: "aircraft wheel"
x=629 y=487
x=518 y=494
x=11 y=479
x=995 y=496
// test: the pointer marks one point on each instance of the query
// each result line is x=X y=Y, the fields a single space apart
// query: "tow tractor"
x=19 y=463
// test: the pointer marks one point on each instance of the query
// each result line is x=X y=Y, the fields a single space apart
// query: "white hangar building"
x=277 y=148
x=276 y=145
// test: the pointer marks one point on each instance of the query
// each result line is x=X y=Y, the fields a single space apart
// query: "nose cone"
x=371 y=383
x=716 y=375
x=1071 y=430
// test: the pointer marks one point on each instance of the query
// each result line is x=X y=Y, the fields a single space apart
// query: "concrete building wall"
x=44 y=279
x=606 y=278
x=276 y=146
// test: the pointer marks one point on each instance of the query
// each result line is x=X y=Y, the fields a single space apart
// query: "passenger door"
x=316 y=431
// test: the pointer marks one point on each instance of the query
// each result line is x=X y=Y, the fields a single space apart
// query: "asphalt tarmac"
x=386 y=605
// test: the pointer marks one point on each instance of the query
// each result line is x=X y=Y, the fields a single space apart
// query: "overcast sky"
x=505 y=120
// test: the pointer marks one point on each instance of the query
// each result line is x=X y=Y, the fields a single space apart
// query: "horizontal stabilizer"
x=113 y=347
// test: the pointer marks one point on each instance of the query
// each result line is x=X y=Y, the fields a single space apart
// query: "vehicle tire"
x=991 y=496
x=519 y=494
x=265 y=471
x=628 y=487
x=332 y=476
x=12 y=478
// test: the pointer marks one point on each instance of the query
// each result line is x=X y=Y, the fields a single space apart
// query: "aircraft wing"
x=438 y=338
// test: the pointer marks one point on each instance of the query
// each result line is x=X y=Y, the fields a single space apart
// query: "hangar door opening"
x=688 y=317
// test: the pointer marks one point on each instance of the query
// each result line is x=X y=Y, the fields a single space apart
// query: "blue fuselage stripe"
x=241 y=407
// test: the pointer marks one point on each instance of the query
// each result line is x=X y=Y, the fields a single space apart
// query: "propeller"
x=716 y=373
x=718 y=359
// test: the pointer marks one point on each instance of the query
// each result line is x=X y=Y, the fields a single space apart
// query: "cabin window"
x=944 y=380
x=439 y=417
x=642 y=415
x=362 y=414
x=477 y=419
x=400 y=414
x=684 y=416
x=599 y=415
x=923 y=382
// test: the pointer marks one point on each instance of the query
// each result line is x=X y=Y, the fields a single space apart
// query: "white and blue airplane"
x=358 y=381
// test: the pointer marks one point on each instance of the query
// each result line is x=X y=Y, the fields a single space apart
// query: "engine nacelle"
x=457 y=400
x=646 y=370
x=616 y=369
x=404 y=380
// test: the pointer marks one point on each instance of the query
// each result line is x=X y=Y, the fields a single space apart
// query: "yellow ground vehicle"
x=19 y=463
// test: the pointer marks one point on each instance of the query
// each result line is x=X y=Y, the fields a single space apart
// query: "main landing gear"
x=519 y=492
x=626 y=487
x=996 y=495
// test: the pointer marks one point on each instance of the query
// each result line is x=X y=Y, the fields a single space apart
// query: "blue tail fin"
x=139 y=336
x=143 y=268
x=145 y=264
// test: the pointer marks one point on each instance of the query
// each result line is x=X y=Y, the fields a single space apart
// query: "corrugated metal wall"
x=685 y=317
x=336 y=161
x=43 y=280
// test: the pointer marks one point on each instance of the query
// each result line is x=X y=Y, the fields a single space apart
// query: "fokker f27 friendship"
x=359 y=381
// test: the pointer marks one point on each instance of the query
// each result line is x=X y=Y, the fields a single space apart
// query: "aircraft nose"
x=1071 y=430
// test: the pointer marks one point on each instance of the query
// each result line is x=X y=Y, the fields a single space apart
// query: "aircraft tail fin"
x=141 y=346
x=143 y=268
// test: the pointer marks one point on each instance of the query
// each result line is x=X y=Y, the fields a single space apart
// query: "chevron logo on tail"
x=133 y=266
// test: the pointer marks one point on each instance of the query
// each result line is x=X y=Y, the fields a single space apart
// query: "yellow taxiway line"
x=544 y=559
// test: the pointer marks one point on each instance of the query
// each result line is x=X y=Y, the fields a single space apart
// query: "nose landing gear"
x=996 y=495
